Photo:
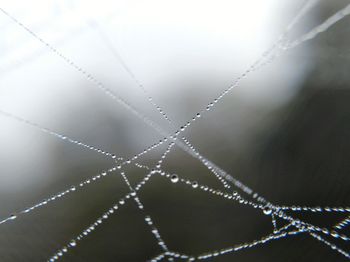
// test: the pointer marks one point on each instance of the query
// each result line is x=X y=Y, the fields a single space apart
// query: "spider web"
x=242 y=194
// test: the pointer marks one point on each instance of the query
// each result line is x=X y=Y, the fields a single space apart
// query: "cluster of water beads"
x=100 y=85
x=146 y=179
x=275 y=236
x=106 y=215
x=158 y=258
x=274 y=210
x=141 y=166
x=274 y=223
x=76 y=142
x=114 y=157
x=98 y=222
x=340 y=14
x=58 y=135
x=343 y=223
x=73 y=242
x=206 y=163
x=278 y=234
x=222 y=175
x=61 y=194
x=40 y=204
x=86 y=74
x=153 y=228
x=283 y=228
x=310 y=227
x=170 y=255
x=174 y=178
x=148 y=220
x=316 y=209
x=106 y=90
x=267 y=210
x=332 y=246
x=94 y=178
x=187 y=182
x=164 y=155
x=155 y=232
x=108 y=43
x=85 y=182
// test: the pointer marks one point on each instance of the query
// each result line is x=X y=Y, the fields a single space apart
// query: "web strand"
x=108 y=92
x=267 y=208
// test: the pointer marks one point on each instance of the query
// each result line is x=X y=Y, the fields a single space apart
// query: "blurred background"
x=284 y=131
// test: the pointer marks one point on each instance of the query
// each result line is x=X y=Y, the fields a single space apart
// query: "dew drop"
x=174 y=178
x=194 y=184
x=267 y=211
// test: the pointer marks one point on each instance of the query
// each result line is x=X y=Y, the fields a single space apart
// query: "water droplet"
x=335 y=234
x=174 y=178
x=73 y=243
x=194 y=184
x=267 y=211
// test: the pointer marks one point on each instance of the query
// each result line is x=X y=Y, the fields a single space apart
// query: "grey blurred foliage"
x=293 y=153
